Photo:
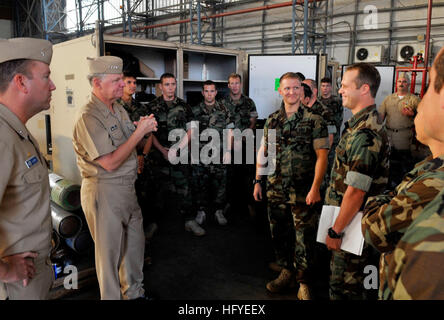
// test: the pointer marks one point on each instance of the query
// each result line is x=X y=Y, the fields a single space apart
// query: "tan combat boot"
x=304 y=292
x=284 y=281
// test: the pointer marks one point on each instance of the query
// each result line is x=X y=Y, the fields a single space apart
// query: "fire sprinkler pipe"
x=427 y=45
x=219 y=15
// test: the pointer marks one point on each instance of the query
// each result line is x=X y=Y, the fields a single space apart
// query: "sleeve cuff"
x=331 y=129
x=321 y=143
x=230 y=126
x=253 y=114
x=358 y=180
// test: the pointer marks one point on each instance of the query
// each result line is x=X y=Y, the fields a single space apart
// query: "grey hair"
x=404 y=75
x=99 y=76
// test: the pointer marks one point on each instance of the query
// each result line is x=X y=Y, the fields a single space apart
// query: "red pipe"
x=427 y=45
x=267 y=7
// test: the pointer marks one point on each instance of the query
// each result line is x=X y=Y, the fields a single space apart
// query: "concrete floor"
x=228 y=263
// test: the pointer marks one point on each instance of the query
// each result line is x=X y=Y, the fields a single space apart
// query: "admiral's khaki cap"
x=25 y=48
x=105 y=65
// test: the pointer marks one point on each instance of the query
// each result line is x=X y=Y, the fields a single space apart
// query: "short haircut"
x=166 y=75
x=129 y=75
x=290 y=75
x=307 y=90
x=313 y=84
x=439 y=71
x=367 y=74
x=326 y=80
x=301 y=76
x=235 y=75
x=9 y=69
x=99 y=76
x=208 y=83
x=404 y=75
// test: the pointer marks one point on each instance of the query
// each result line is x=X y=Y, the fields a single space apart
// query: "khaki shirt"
x=391 y=108
x=25 y=216
x=97 y=132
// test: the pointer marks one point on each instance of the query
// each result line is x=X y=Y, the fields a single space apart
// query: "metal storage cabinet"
x=69 y=70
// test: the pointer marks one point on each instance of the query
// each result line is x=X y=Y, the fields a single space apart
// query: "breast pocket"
x=299 y=138
x=115 y=134
x=34 y=175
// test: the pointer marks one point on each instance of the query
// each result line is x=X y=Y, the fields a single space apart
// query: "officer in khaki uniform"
x=104 y=140
x=399 y=110
x=25 y=216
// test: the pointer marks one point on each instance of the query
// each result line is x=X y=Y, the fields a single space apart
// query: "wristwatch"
x=256 y=181
x=332 y=234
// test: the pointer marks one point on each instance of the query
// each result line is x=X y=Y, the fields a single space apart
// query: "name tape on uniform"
x=31 y=161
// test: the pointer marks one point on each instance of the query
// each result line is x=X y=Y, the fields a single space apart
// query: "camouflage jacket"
x=242 y=111
x=218 y=118
x=135 y=109
x=297 y=138
x=177 y=116
x=416 y=270
x=322 y=110
x=387 y=217
x=362 y=157
x=334 y=105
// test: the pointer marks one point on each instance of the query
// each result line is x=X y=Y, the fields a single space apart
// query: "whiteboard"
x=263 y=70
x=386 y=87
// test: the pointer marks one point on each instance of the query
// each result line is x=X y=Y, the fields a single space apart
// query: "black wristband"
x=332 y=234
x=256 y=181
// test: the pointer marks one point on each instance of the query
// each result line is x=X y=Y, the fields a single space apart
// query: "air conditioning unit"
x=369 y=53
x=406 y=51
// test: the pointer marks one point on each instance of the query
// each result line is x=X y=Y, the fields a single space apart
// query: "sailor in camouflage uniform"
x=210 y=179
x=334 y=105
x=387 y=216
x=415 y=268
x=360 y=170
x=171 y=113
x=143 y=183
x=240 y=175
x=321 y=109
x=301 y=160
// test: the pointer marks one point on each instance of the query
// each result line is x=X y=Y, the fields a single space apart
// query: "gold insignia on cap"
x=25 y=48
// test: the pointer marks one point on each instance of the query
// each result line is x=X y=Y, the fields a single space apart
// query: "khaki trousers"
x=37 y=288
x=115 y=221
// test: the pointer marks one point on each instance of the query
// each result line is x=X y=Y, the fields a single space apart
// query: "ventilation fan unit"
x=369 y=53
x=407 y=51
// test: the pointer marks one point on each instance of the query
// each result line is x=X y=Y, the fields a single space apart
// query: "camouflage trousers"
x=164 y=182
x=347 y=275
x=209 y=184
x=293 y=232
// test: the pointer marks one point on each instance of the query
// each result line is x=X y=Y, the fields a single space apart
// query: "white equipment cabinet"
x=191 y=64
